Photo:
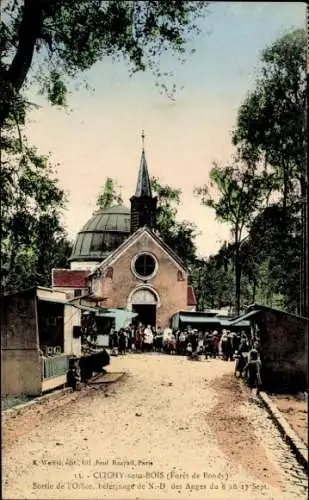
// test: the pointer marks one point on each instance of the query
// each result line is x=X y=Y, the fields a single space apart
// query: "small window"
x=97 y=242
x=77 y=292
x=180 y=276
x=110 y=272
x=145 y=265
x=85 y=247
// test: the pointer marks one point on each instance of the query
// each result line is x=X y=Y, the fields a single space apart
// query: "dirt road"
x=170 y=428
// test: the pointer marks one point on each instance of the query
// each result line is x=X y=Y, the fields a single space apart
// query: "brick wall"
x=172 y=292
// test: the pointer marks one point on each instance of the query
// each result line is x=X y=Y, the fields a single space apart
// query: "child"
x=200 y=346
x=253 y=371
x=189 y=350
x=73 y=375
x=171 y=344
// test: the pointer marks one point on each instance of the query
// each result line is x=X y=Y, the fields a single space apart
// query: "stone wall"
x=284 y=351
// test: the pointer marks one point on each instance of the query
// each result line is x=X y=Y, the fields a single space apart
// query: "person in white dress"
x=148 y=338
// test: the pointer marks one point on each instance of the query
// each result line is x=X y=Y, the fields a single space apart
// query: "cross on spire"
x=143 y=138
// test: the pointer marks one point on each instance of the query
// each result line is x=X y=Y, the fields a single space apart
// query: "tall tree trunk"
x=14 y=78
x=237 y=277
x=285 y=185
x=254 y=291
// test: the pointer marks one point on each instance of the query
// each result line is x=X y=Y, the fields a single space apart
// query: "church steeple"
x=143 y=186
x=143 y=205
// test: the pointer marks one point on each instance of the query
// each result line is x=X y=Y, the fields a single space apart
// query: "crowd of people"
x=194 y=344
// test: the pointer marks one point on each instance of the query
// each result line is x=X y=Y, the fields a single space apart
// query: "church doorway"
x=144 y=302
x=146 y=314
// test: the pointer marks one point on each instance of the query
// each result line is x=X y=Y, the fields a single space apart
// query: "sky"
x=100 y=135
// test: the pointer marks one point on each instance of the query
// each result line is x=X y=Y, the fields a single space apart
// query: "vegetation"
x=266 y=198
x=47 y=45
x=261 y=194
x=178 y=235
x=240 y=192
x=109 y=194
x=33 y=239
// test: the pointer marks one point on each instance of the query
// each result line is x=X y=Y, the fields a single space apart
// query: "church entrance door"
x=144 y=303
x=146 y=314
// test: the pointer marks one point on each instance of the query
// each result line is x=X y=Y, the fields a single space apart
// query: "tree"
x=33 y=239
x=178 y=235
x=235 y=193
x=271 y=257
x=55 y=40
x=271 y=124
x=213 y=282
x=109 y=194
x=272 y=127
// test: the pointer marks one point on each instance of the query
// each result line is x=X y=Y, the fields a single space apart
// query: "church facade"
x=120 y=261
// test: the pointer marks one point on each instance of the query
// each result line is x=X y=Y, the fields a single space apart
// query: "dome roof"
x=102 y=234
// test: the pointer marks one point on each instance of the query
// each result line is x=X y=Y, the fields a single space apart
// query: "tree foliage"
x=109 y=194
x=271 y=258
x=271 y=123
x=272 y=126
x=213 y=282
x=271 y=141
x=33 y=239
x=55 y=40
x=236 y=193
x=178 y=235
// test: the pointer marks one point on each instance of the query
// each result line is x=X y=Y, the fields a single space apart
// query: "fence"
x=55 y=366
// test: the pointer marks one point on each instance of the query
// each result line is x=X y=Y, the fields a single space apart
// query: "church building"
x=120 y=261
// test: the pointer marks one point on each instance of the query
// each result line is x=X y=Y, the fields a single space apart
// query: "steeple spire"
x=143 y=205
x=143 y=186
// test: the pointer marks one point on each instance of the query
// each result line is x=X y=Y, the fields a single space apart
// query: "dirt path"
x=170 y=429
x=235 y=432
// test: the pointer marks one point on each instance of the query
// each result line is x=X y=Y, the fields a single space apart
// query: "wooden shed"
x=284 y=347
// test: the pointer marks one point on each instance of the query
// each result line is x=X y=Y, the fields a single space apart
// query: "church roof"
x=115 y=218
x=103 y=232
x=118 y=251
x=143 y=186
x=69 y=278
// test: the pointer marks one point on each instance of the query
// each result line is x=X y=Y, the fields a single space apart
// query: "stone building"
x=120 y=260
